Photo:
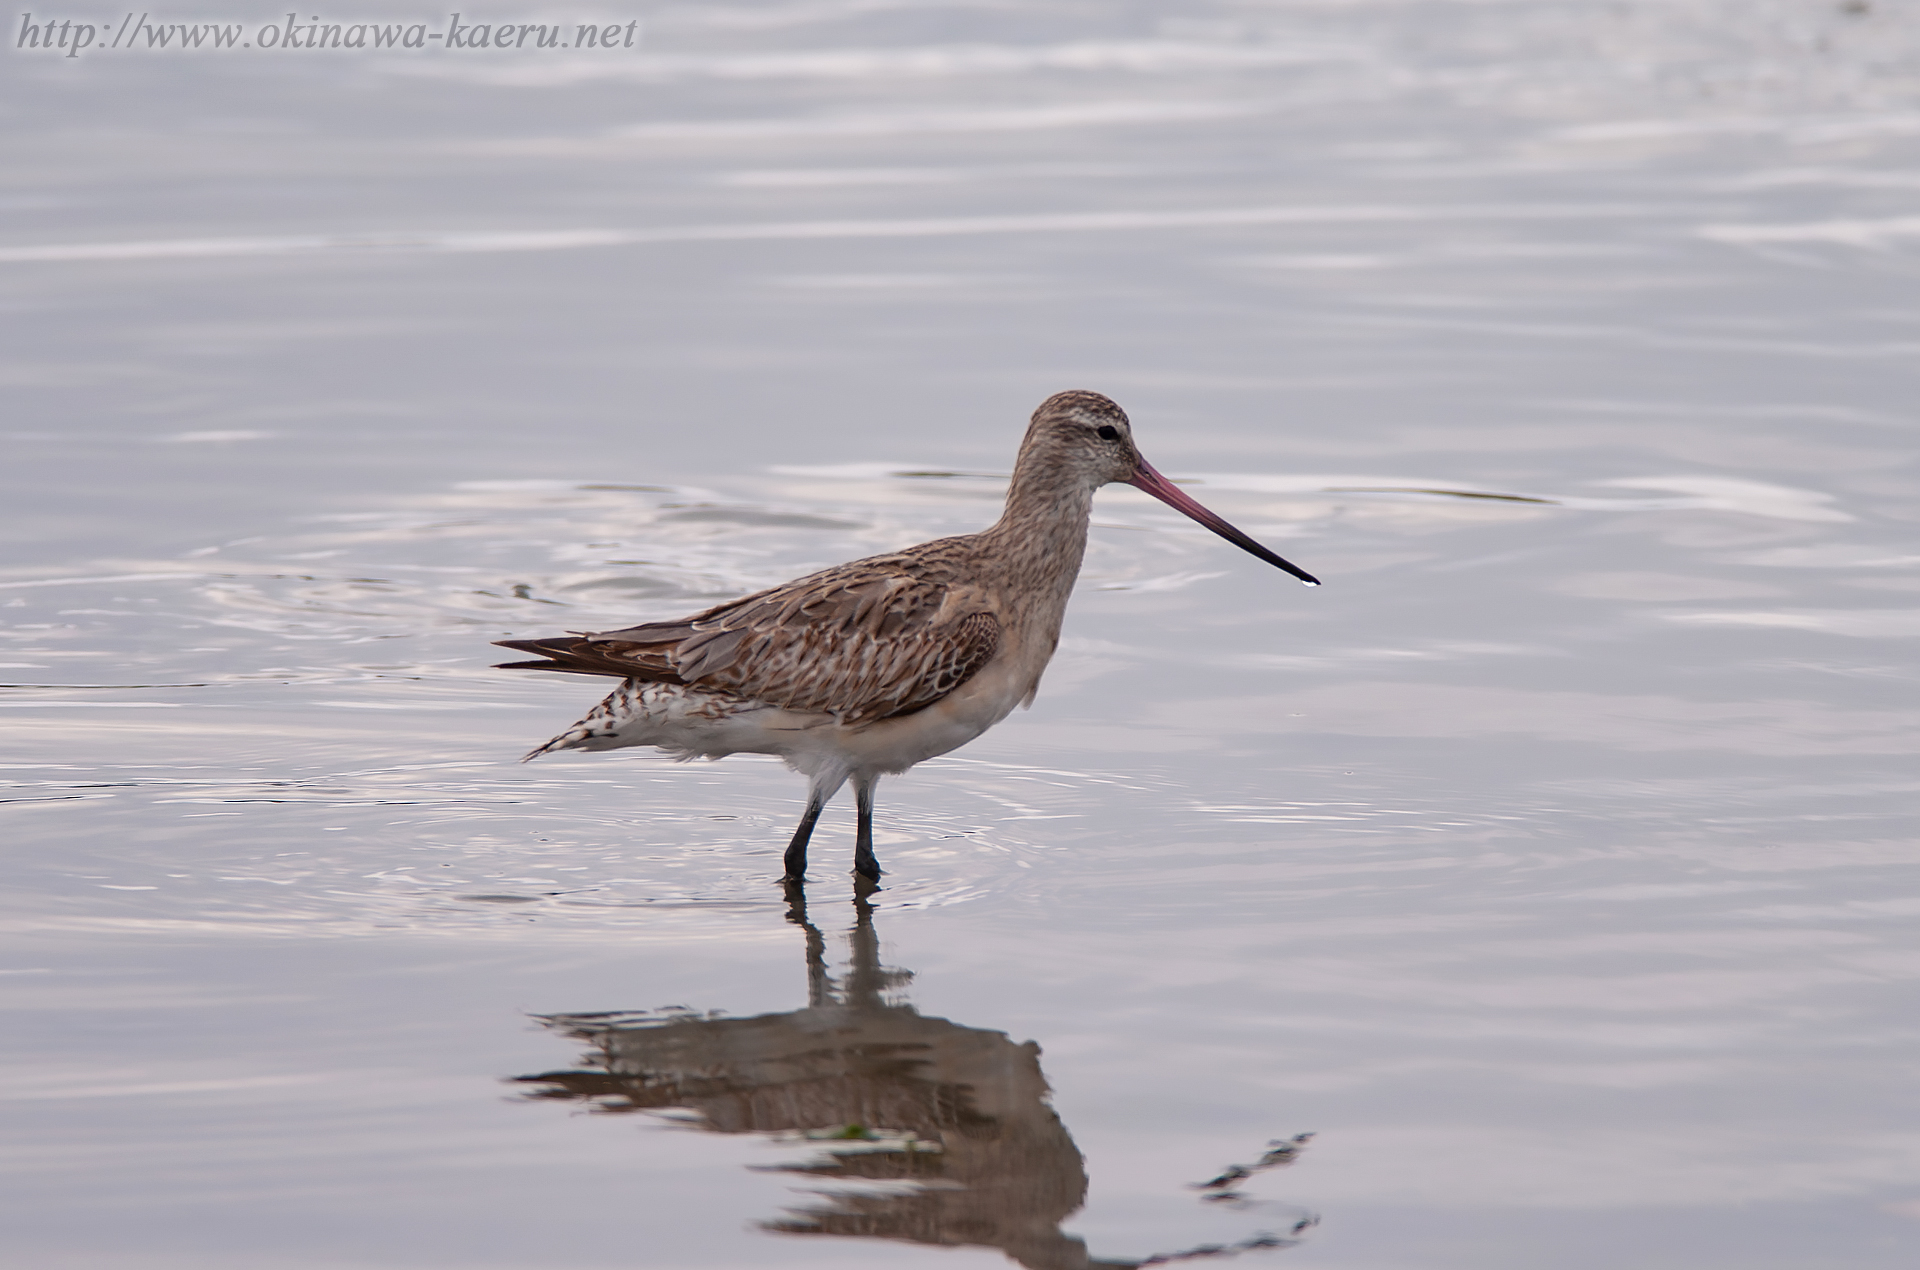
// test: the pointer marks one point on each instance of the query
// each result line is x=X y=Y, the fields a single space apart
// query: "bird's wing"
x=867 y=640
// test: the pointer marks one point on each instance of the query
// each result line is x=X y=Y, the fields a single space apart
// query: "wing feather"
x=863 y=641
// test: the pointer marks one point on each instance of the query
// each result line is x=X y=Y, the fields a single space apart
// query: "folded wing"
x=863 y=642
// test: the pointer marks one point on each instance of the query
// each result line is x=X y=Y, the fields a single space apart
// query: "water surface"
x=1552 y=865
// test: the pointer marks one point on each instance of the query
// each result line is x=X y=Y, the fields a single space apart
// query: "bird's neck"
x=1042 y=535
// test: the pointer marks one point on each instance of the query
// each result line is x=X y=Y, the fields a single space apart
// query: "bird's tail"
x=581 y=655
x=600 y=729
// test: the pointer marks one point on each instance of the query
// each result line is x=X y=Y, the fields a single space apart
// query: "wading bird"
x=870 y=667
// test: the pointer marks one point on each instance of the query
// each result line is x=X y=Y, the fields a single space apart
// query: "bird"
x=867 y=668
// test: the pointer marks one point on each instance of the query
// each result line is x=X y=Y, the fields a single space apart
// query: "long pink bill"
x=1145 y=478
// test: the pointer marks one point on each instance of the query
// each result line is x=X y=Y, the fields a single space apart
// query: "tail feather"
x=577 y=655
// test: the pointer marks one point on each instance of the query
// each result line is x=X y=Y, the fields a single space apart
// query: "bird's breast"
x=893 y=745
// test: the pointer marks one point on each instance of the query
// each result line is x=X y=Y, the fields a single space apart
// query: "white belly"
x=894 y=745
x=689 y=722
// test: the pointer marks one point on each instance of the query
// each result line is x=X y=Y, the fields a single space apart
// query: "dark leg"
x=864 y=862
x=797 y=849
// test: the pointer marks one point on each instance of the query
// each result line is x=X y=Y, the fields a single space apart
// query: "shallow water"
x=1552 y=865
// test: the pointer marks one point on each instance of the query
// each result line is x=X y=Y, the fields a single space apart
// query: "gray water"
x=1552 y=865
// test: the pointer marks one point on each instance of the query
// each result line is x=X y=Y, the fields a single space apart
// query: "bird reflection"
x=941 y=1134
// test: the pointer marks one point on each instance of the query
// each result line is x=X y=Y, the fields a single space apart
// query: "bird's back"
x=870 y=639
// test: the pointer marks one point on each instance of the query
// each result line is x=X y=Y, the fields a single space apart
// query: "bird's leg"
x=796 y=860
x=864 y=862
x=818 y=792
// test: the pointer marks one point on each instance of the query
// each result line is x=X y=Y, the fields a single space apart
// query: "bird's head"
x=1085 y=434
x=1084 y=437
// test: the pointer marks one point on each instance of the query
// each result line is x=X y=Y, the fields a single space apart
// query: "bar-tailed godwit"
x=870 y=667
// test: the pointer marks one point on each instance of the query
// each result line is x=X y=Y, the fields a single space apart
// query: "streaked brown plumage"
x=862 y=641
x=873 y=666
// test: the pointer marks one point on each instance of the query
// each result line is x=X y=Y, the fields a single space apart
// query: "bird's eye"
x=1107 y=432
